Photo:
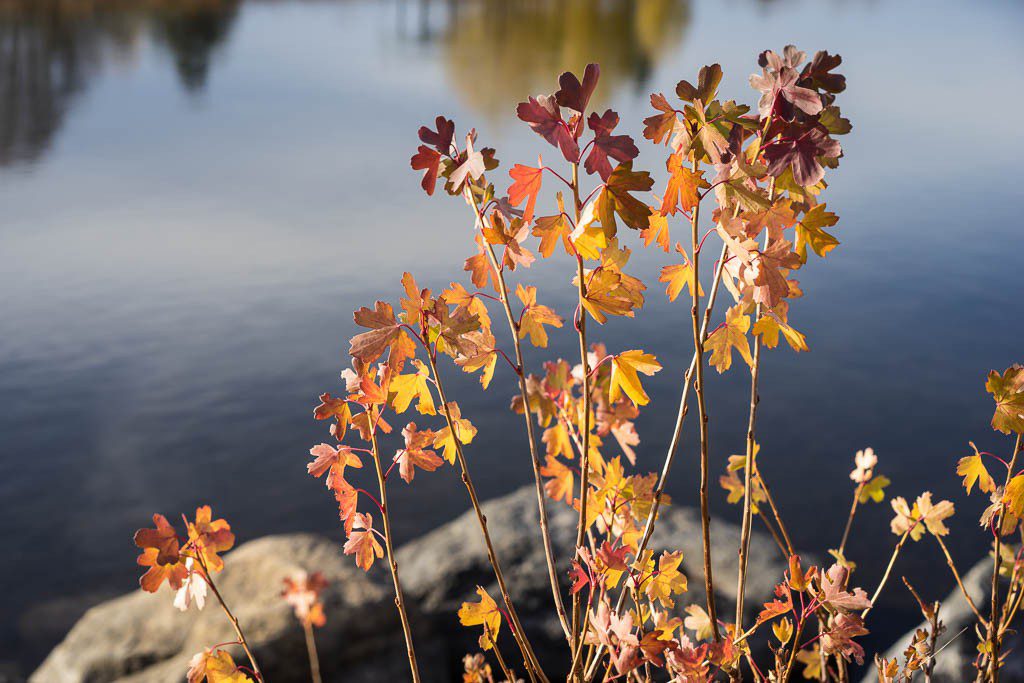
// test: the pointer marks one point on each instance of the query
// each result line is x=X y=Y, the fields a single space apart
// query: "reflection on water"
x=51 y=49
x=496 y=47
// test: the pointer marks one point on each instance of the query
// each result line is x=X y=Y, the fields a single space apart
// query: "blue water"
x=194 y=203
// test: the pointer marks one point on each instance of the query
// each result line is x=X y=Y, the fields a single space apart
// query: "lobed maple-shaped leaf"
x=415 y=385
x=618 y=147
x=810 y=232
x=384 y=330
x=684 y=185
x=662 y=127
x=698 y=621
x=1013 y=497
x=615 y=197
x=484 y=613
x=428 y=161
x=678 y=276
x=656 y=231
x=553 y=229
x=559 y=484
x=535 y=317
x=415 y=454
x=509 y=234
x=1008 y=392
x=838 y=640
x=160 y=554
x=526 y=185
x=798 y=150
x=667 y=580
x=163 y=539
x=441 y=137
x=775 y=608
x=458 y=296
x=575 y=95
x=209 y=537
x=557 y=441
x=972 y=469
x=362 y=543
x=464 y=432
x=731 y=335
x=835 y=594
x=624 y=378
x=348 y=499
x=604 y=295
x=302 y=591
x=708 y=79
x=780 y=91
x=771 y=324
x=545 y=119
x=768 y=270
x=214 y=666
x=333 y=461
x=874 y=489
x=337 y=408
x=472 y=165
x=924 y=516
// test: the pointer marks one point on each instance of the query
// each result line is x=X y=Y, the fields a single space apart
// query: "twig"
x=410 y=651
x=231 y=617
x=314 y=659
x=994 y=632
x=959 y=581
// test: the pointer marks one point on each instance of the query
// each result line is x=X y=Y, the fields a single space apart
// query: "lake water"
x=195 y=200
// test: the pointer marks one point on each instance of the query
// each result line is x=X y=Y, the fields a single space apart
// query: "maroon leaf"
x=618 y=147
x=429 y=161
x=798 y=149
x=575 y=95
x=545 y=119
x=440 y=139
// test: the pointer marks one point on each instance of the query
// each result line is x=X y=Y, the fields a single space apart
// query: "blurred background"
x=197 y=193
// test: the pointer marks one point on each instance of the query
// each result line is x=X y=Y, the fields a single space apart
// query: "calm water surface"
x=195 y=200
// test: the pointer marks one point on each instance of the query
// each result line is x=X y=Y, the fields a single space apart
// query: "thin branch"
x=314 y=658
x=959 y=581
x=231 y=617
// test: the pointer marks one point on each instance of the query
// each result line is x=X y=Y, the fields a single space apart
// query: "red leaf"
x=526 y=186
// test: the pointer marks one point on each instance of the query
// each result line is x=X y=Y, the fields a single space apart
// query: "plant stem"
x=994 y=632
x=775 y=510
x=542 y=510
x=231 y=617
x=959 y=581
x=755 y=371
x=392 y=562
x=888 y=570
x=314 y=659
x=702 y=415
x=529 y=658
x=849 y=520
x=578 y=626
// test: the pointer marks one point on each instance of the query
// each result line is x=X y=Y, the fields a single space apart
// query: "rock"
x=141 y=638
x=955 y=662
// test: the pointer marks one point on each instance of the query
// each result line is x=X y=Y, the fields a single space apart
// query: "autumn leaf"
x=656 y=231
x=163 y=539
x=589 y=237
x=616 y=197
x=479 y=267
x=733 y=334
x=575 y=95
x=472 y=165
x=667 y=580
x=660 y=127
x=698 y=621
x=464 y=430
x=708 y=79
x=415 y=454
x=384 y=329
x=337 y=408
x=535 y=317
x=619 y=147
x=769 y=326
x=209 y=537
x=874 y=489
x=624 y=379
x=362 y=543
x=428 y=161
x=556 y=439
x=679 y=275
x=543 y=116
x=404 y=388
x=972 y=469
x=553 y=229
x=769 y=272
x=777 y=607
x=835 y=594
x=798 y=150
x=347 y=498
x=1013 y=497
x=333 y=460
x=810 y=232
x=484 y=613
x=1008 y=391
x=684 y=185
x=214 y=666
x=560 y=479
x=526 y=186
x=458 y=296
x=440 y=138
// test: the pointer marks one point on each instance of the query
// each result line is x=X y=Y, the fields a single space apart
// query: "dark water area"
x=196 y=196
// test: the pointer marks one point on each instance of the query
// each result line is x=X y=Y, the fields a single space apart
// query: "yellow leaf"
x=215 y=667
x=972 y=469
x=464 y=430
x=668 y=580
x=874 y=490
x=678 y=276
x=733 y=334
x=484 y=613
x=404 y=388
x=1014 y=496
x=535 y=317
x=783 y=630
x=624 y=375
x=1008 y=391
x=768 y=328
x=589 y=238
x=809 y=231
x=698 y=621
